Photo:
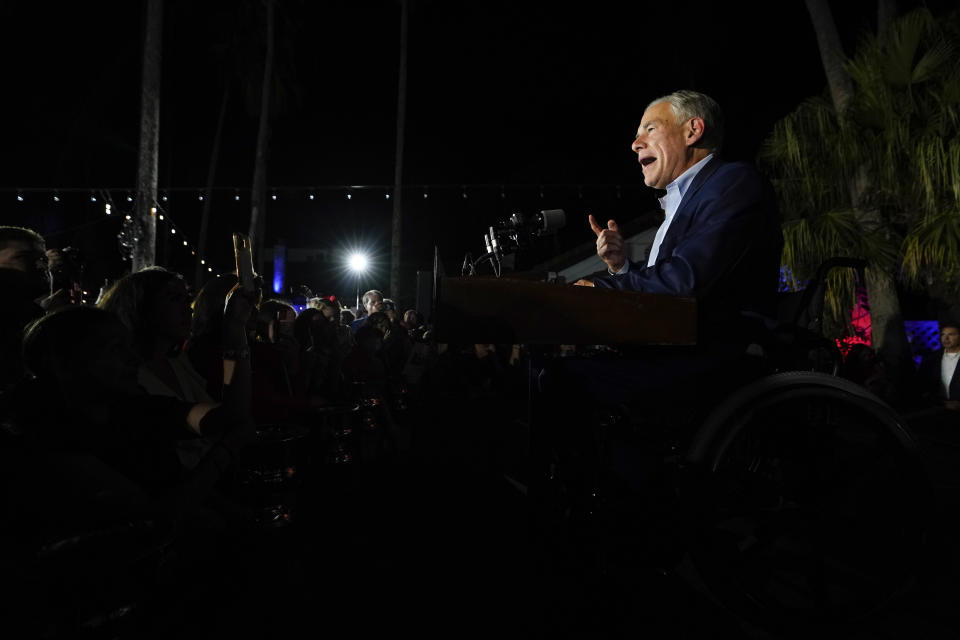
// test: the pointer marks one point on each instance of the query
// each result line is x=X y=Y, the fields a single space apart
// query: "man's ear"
x=694 y=131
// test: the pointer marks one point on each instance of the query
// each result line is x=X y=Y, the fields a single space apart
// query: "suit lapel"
x=683 y=216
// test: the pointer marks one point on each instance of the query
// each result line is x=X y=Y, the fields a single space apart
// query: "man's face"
x=372 y=304
x=30 y=258
x=662 y=146
x=950 y=339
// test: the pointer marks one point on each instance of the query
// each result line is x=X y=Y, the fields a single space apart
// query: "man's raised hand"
x=609 y=244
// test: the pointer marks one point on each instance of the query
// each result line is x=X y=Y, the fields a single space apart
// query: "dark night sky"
x=514 y=93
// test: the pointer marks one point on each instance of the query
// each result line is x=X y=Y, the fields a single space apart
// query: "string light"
x=108 y=211
x=202 y=261
x=210 y=269
x=312 y=193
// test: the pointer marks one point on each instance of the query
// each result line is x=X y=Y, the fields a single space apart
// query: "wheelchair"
x=793 y=498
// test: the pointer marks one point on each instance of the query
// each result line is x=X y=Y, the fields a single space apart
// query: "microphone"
x=552 y=220
x=519 y=231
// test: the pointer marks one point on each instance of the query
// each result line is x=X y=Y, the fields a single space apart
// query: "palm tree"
x=397 y=221
x=880 y=178
x=831 y=53
x=258 y=196
x=145 y=245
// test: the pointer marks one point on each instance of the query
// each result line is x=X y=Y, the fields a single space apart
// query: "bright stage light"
x=357 y=262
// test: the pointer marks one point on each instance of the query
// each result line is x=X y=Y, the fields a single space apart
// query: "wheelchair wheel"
x=812 y=504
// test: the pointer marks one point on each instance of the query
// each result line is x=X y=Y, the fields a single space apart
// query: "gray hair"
x=691 y=104
x=370 y=294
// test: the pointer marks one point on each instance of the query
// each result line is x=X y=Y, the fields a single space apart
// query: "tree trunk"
x=145 y=248
x=397 y=226
x=888 y=336
x=831 y=53
x=886 y=12
x=208 y=193
x=258 y=197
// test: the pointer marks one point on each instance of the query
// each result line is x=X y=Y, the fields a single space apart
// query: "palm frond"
x=904 y=40
x=932 y=250
x=882 y=181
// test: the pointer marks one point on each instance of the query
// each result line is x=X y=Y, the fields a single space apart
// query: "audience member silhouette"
x=83 y=403
x=322 y=350
x=24 y=281
x=155 y=307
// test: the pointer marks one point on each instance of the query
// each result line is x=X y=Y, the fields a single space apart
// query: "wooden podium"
x=515 y=311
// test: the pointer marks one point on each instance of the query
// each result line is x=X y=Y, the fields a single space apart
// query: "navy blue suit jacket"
x=723 y=248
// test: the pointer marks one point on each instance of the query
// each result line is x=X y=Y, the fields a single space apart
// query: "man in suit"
x=938 y=370
x=720 y=240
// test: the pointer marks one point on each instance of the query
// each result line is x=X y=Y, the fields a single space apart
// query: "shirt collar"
x=677 y=188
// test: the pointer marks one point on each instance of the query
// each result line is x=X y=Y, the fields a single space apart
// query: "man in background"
x=938 y=369
x=372 y=302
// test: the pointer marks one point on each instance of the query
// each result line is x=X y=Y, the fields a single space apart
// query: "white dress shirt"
x=948 y=365
x=670 y=203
